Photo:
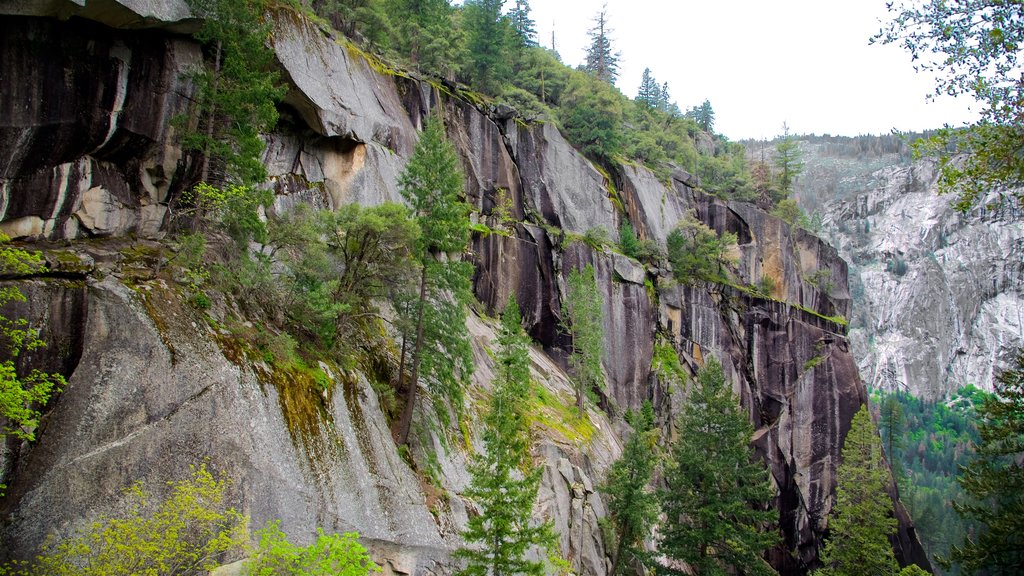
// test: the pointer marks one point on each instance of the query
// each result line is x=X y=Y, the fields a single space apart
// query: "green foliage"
x=715 y=492
x=862 y=518
x=490 y=40
x=704 y=116
x=234 y=209
x=435 y=317
x=427 y=33
x=665 y=363
x=602 y=62
x=522 y=24
x=994 y=482
x=790 y=212
x=632 y=504
x=726 y=173
x=583 y=319
x=22 y=394
x=188 y=533
x=591 y=112
x=629 y=244
x=696 y=252
x=649 y=92
x=504 y=479
x=972 y=46
x=597 y=238
x=328 y=555
x=237 y=96
x=765 y=287
x=788 y=162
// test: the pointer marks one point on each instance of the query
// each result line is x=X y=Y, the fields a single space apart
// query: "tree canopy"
x=862 y=518
x=973 y=47
x=716 y=492
x=504 y=479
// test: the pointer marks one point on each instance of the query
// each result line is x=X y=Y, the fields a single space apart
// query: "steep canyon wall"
x=89 y=162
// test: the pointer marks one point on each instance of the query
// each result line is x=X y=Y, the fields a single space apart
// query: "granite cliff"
x=89 y=162
x=939 y=297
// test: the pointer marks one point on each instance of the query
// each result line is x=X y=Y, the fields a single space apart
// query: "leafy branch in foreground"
x=973 y=47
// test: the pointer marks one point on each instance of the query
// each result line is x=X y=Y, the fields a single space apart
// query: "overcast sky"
x=762 y=62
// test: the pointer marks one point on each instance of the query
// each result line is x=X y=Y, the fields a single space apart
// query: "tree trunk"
x=212 y=115
x=405 y=424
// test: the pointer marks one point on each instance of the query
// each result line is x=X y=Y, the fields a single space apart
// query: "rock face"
x=940 y=294
x=154 y=387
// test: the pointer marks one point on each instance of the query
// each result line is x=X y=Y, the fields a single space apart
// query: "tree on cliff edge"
x=862 y=517
x=715 y=489
x=436 y=334
x=602 y=62
x=504 y=480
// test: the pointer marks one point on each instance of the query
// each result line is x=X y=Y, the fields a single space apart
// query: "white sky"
x=762 y=62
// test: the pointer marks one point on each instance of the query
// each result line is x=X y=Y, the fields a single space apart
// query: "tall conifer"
x=504 y=479
x=862 y=518
x=432 y=185
x=715 y=491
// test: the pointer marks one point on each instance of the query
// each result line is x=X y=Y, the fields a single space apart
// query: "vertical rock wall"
x=155 y=392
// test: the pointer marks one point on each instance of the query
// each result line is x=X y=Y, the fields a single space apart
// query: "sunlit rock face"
x=88 y=152
x=939 y=295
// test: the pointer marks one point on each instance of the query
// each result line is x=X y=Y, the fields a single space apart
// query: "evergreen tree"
x=592 y=116
x=665 y=103
x=236 y=95
x=432 y=185
x=582 y=318
x=504 y=480
x=892 y=428
x=704 y=115
x=632 y=505
x=489 y=41
x=522 y=24
x=862 y=519
x=715 y=492
x=649 y=93
x=788 y=162
x=994 y=482
x=602 y=62
x=425 y=33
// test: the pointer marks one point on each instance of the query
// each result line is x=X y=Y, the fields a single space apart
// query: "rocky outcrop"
x=158 y=388
x=940 y=297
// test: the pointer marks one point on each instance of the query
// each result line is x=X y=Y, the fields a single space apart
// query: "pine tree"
x=489 y=43
x=665 y=103
x=522 y=24
x=649 y=93
x=432 y=185
x=424 y=33
x=788 y=162
x=582 y=318
x=602 y=62
x=862 y=518
x=715 y=491
x=504 y=480
x=704 y=115
x=236 y=95
x=632 y=505
x=994 y=480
